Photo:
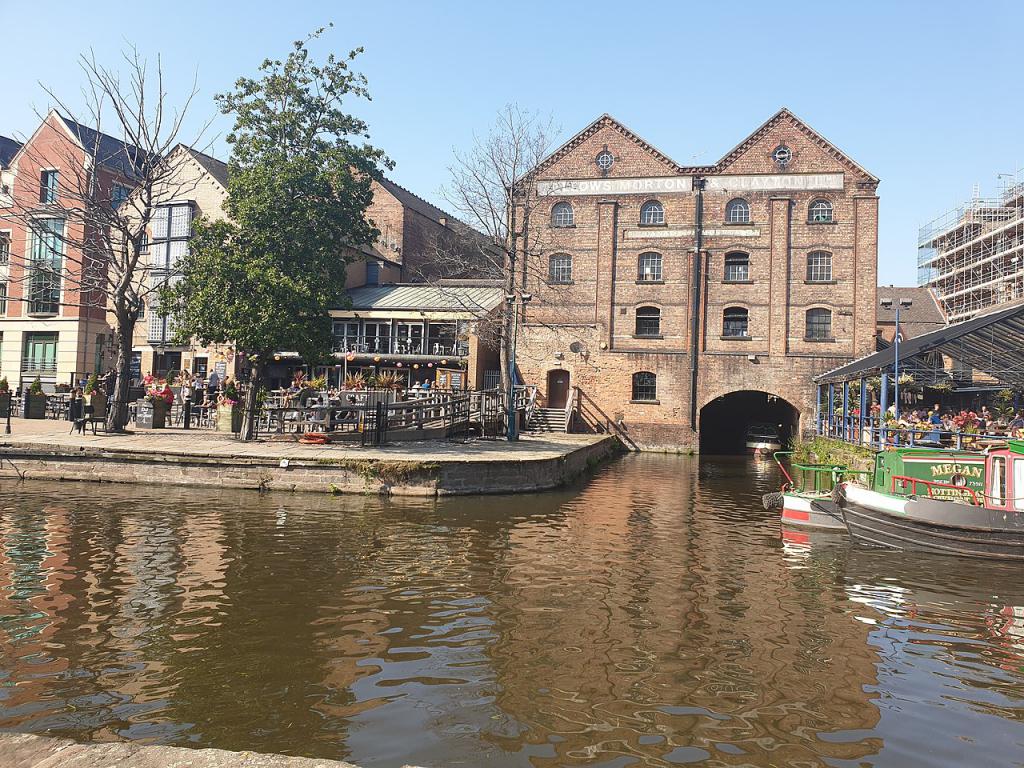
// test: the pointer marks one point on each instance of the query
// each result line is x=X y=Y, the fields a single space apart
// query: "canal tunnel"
x=725 y=420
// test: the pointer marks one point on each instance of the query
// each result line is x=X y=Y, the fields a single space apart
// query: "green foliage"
x=91 y=384
x=299 y=185
x=36 y=388
x=822 y=450
x=4 y=386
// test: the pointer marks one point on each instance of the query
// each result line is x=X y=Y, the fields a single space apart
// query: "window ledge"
x=561 y=282
x=826 y=223
x=645 y=402
x=739 y=223
x=563 y=226
x=650 y=282
x=648 y=336
x=829 y=340
x=821 y=282
x=663 y=224
x=723 y=337
x=737 y=282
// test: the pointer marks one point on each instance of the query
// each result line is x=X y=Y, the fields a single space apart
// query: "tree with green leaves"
x=299 y=184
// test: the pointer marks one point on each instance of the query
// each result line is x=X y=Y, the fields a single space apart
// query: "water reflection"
x=653 y=615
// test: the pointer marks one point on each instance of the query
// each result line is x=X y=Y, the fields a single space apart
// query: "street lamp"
x=514 y=303
x=888 y=304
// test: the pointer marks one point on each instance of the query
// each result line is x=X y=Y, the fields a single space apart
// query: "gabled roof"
x=785 y=115
x=420 y=297
x=109 y=152
x=8 y=149
x=607 y=121
x=923 y=313
x=414 y=202
x=218 y=169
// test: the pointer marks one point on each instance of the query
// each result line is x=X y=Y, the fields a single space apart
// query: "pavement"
x=23 y=750
x=175 y=441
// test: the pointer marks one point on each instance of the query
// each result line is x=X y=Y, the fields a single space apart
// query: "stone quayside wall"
x=447 y=476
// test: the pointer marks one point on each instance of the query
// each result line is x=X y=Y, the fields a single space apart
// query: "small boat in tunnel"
x=747 y=421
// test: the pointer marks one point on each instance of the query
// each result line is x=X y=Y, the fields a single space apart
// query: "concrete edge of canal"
x=439 y=475
x=24 y=750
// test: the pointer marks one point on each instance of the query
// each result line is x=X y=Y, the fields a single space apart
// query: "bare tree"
x=490 y=191
x=112 y=178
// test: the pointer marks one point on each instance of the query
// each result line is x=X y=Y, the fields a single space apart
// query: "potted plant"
x=355 y=381
x=154 y=406
x=35 y=401
x=229 y=414
x=5 y=397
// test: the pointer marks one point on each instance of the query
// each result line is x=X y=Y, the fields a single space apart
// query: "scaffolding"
x=972 y=257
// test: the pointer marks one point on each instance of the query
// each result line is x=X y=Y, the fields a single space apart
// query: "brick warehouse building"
x=679 y=304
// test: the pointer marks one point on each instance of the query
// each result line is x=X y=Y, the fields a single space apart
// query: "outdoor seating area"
x=961 y=386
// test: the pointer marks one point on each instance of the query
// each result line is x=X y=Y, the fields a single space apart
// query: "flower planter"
x=151 y=414
x=35 y=406
x=229 y=418
x=5 y=403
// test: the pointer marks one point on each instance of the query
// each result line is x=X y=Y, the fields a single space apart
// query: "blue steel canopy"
x=992 y=344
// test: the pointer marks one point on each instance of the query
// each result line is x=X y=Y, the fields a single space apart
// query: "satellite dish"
x=576 y=347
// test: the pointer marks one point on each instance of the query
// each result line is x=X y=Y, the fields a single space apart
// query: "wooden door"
x=558 y=389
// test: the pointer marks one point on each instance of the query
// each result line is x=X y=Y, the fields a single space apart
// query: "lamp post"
x=888 y=304
x=514 y=303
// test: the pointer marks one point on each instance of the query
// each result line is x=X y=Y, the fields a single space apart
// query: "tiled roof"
x=216 y=168
x=110 y=152
x=475 y=298
x=8 y=148
x=413 y=201
x=921 y=316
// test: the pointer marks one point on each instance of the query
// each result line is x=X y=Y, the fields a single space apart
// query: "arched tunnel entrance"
x=725 y=420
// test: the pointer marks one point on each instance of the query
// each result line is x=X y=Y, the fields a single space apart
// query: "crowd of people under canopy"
x=935 y=423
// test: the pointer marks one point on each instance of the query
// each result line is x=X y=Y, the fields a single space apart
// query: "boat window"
x=998 y=491
x=1018 y=482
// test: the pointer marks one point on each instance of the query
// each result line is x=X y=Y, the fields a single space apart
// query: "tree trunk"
x=117 y=415
x=251 y=399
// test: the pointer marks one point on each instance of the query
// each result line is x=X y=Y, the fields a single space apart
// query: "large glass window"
x=45 y=266
x=735 y=322
x=737 y=211
x=3 y=298
x=5 y=247
x=172 y=227
x=652 y=212
x=820 y=212
x=409 y=340
x=645 y=386
x=648 y=321
x=562 y=215
x=40 y=353
x=819 y=267
x=819 y=324
x=346 y=335
x=560 y=268
x=649 y=267
x=737 y=267
x=377 y=336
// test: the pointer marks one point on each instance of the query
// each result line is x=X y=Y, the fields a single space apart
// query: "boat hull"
x=811 y=512
x=931 y=525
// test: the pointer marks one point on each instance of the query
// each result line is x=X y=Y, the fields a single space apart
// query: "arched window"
x=652 y=212
x=820 y=212
x=645 y=386
x=819 y=324
x=737 y=211
x=562 y=215
x=737 y=267
x=649 y=268
x=648 y=321
x=735 y=322
x=560 y=268
x=819 y=267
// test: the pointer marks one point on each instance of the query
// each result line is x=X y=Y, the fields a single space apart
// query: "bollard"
x=187 y=416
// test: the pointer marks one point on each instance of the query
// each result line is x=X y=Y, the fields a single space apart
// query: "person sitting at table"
x=935 y=435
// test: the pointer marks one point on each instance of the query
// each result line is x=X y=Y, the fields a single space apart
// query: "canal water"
x=652 y=615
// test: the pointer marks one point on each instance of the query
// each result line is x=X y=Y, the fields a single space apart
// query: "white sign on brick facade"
x=781 y=182
x=652 y=186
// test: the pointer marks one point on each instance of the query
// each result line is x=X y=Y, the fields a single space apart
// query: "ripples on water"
x=652 y=616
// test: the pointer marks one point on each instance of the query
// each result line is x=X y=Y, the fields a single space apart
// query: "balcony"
x=433 y=346
x=37 y=365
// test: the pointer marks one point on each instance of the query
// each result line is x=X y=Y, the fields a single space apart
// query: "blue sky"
x=925 y=95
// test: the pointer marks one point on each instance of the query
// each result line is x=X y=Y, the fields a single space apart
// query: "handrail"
x=929 y=484
x=570 y=408
x=836 y=471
